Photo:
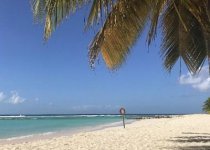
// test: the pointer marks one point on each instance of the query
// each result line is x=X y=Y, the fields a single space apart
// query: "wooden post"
x=122 y=112
x=124 y=121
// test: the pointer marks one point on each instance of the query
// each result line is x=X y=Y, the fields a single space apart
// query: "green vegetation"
x=185 y=26
x=206 y=106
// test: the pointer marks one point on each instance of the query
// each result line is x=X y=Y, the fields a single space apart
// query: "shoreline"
x=61 y=133
x=69 y=132
x=183 y=132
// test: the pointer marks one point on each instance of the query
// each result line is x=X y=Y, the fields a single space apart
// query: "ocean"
x=20 y=126
x=29 y=126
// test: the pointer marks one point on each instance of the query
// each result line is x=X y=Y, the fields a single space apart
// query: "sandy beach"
x=186 y=132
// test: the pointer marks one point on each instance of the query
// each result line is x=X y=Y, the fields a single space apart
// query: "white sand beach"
x=188 y=132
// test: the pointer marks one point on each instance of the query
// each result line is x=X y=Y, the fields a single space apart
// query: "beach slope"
x=182 y=132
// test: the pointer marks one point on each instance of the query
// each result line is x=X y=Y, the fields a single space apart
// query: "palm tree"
x=185 y=26
x=206 y=106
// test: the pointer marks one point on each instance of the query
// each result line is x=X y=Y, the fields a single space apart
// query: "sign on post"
x=122 y=112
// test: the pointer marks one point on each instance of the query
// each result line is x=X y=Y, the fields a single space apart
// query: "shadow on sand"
x=203 y=139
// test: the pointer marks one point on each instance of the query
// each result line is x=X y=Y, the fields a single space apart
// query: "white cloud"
x=200 y=81
x=203 y=86
x=2 y=96
x=15 y=98
x=189 y=79
x=12 y=98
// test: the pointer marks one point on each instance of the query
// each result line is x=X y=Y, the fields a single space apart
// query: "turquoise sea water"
x=17 y=126
x=23 y=126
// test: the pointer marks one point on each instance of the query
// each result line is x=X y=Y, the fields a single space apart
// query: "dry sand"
x=189 y=132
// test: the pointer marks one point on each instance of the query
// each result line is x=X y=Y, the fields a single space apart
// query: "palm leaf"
x=156 y=7
x=38 y=7
x=54 y=11
x=119 y=33
x=201 y=11
x=185 y=25
x=182 y=39
x=206 y=106
x=98 y=8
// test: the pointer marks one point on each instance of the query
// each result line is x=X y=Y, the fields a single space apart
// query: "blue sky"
x=54 y=77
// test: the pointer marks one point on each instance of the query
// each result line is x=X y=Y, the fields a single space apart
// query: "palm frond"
x=185 y=27
x=99 y=8
x=157 y=7
x=206 y=106
x=119 y=33
x=38 y=8
x=181 y=42
x=54 y=11
x=201 y=11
